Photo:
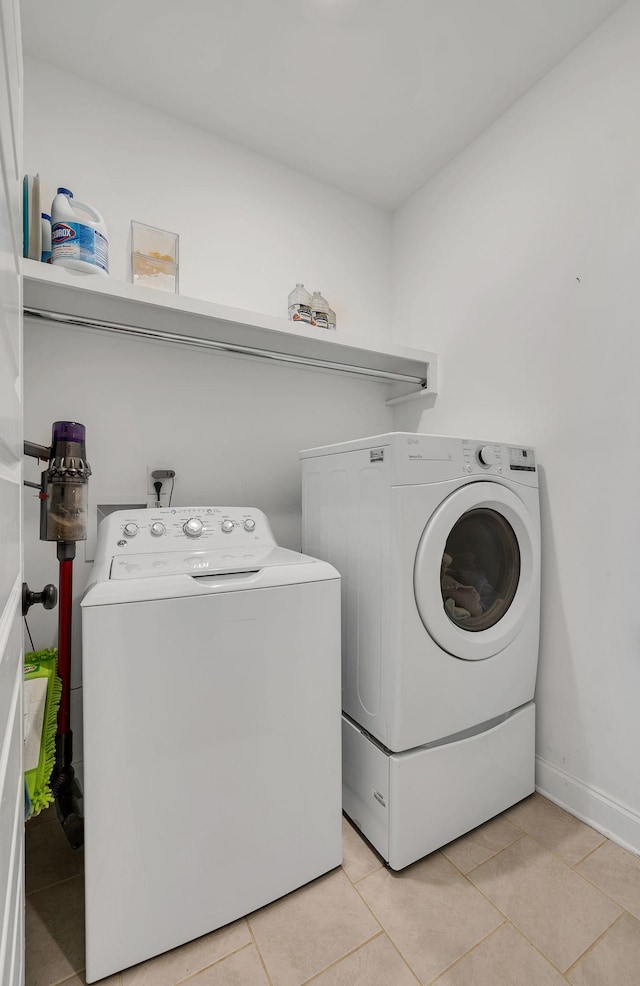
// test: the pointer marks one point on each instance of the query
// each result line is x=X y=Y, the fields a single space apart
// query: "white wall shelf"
x=100 y=303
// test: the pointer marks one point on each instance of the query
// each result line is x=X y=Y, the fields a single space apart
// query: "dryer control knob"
x=249 y=524
x=157 y=529
x=130 y=530
x=227 y=526
x=193 y=528
x=486 y=455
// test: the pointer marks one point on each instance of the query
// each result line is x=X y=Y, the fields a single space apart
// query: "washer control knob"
x=227 y=526
x=249 y=524
x=486 y=455
x=130 y=530
x=193 y=528
x=157 y=529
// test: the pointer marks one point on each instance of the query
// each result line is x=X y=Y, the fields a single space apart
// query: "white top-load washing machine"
x=211 y=669
x=437 y=541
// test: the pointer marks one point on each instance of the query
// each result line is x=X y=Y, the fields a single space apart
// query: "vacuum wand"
x=63 y=519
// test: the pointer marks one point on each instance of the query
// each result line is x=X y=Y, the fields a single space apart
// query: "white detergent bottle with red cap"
x=78 y=235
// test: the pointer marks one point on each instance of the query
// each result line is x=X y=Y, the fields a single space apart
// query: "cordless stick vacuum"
x=63 y=519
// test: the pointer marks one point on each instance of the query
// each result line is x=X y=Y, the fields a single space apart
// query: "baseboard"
x=618 y=822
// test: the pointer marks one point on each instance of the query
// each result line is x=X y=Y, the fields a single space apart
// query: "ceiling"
x=372 y=96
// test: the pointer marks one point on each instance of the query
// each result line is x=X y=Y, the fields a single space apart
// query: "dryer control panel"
x=494 y=457
x=166 y=529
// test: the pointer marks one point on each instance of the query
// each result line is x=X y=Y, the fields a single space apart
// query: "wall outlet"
x=167 y=486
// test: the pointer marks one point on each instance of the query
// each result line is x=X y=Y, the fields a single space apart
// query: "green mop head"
x=42 y=691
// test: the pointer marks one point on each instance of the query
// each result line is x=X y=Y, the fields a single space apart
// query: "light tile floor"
x=532 y=898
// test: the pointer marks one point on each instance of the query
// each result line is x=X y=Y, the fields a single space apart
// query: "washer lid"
x=201 y=563
x=476 y=565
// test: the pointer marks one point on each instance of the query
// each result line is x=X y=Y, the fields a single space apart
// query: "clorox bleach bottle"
x=78 y=235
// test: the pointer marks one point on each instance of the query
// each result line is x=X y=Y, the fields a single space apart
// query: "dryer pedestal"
x=410 y=804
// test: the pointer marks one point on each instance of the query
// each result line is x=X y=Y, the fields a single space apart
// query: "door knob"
x=48 y=597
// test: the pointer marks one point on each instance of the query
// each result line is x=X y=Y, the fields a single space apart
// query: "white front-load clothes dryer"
x=438 y=544
x=211 y=671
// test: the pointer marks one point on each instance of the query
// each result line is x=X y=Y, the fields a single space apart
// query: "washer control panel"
x=167 y=529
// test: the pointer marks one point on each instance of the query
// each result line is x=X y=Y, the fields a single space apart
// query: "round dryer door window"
x=476 y=564
x=480 y=569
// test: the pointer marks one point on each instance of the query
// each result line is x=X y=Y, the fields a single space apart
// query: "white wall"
x=249 y=229
x=519 y=263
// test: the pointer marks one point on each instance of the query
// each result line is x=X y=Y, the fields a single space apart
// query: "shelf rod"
x=225 y=347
